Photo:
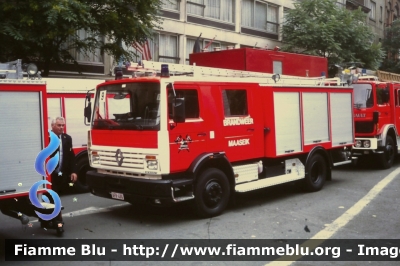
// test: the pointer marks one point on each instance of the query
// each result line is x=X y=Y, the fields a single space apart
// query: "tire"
x=212 y=193
x=83 y=166
x=387 y=158
x=316 y=173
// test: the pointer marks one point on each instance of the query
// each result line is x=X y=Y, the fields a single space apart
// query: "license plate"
x=118 y=196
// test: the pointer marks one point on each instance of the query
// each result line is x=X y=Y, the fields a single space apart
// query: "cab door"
x=242 y=123
x=189 y=139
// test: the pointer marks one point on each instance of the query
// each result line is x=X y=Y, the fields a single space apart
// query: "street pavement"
x=359 y=203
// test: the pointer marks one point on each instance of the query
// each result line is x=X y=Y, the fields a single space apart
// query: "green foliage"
x=320 y=27
x=391 y=44
x=45 y=31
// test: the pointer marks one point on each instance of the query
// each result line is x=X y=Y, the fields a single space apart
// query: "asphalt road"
x=359 y=203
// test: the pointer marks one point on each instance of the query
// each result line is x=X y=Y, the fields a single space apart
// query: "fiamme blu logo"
x=41 y=167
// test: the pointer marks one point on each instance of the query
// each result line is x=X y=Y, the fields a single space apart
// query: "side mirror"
x=178 y=110
x=87 y=110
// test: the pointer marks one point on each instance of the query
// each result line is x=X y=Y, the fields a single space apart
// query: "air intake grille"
x=364 y=127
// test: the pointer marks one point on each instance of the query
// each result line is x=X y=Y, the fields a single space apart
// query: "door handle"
x=202 y=134
x=250 y=129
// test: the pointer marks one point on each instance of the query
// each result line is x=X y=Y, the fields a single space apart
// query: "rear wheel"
x=83 y=166
x=387 y=158
x=212 y=193
x=316 y=173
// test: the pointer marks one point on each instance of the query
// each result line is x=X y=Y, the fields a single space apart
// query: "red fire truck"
x=377 y=118
x=206 y=136
x=24 y=134
x=64 y=98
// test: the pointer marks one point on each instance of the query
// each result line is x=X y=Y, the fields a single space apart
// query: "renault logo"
x=119 y=157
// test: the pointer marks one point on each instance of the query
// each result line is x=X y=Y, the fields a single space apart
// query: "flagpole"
x=208 y=45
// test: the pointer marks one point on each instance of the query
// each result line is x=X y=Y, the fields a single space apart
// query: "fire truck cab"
x=377 y=120
x=174 y=138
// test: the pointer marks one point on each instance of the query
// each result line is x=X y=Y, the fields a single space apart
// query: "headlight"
x=152 y=165
x=152 y=162
x=95 y=158
x=358 y=143
x=367 y=143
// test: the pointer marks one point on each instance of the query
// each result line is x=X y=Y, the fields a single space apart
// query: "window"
x=260 y=15
x=171 y=4
x=204 y=43
x=214 y=9
x=139 y=56
x=372 y=13
x=382 y=95
x=277 y=67
x=381 y=15
x=163 y=48
x=168 y=48
x=363 y=96
x=387 y=17
x=133 y=106
x=189 y=48
x=215 y=44
x=341 y=3
x=235 y=102
x=88 y=57
x=191 y=102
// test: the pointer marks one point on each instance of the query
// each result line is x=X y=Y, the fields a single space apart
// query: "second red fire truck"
x=377 y=118
x=204 y=137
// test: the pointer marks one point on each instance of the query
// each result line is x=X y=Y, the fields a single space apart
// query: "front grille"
x=364 y=127
x=130 y=160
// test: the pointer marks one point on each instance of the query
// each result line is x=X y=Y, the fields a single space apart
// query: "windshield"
x=128 y=106
x=363 y=98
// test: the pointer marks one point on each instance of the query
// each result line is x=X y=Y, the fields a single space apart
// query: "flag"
x=143 y=48
x=208 y=44
x=196 y=46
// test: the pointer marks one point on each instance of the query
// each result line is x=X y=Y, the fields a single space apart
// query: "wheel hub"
x=212 y=193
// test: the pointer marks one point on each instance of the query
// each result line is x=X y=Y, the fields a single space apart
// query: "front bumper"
x=375 y=147
x=137 y=189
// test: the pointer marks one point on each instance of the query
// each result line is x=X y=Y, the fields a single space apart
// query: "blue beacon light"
x=164 y=71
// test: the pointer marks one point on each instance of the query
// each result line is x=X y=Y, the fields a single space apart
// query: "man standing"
x=65 y=171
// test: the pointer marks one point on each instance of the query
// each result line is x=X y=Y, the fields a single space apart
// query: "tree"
x=320 y=27
x=391 y=44
x=45 y=31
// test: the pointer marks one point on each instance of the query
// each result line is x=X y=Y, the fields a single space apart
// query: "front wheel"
x=316 y=173
x=387 y=158
x=212 y=193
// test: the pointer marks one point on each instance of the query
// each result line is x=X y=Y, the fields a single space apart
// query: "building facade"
x=231 y=23
x=392 y=11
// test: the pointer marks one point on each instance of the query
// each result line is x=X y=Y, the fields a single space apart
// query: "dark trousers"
x=59 y=183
